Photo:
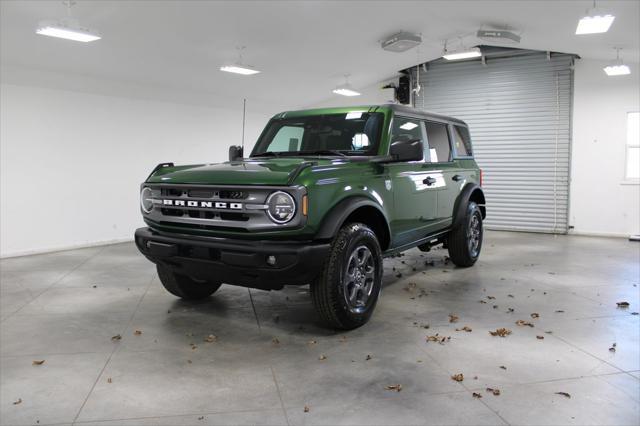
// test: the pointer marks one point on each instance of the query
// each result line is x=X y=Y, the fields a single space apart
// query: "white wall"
x=72 y=162
x=600 y=202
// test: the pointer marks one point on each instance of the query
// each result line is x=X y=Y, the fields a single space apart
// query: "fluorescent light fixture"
x=239 y=69
x=345 y=91
x=68 y=29
x=614 y=70
x=594 y=24
x=408 y=126
x=456 y=55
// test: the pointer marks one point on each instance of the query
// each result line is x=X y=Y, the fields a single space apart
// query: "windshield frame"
x=373 y=150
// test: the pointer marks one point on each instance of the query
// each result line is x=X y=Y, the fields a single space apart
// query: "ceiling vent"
x=499 y=36
x=401 y=42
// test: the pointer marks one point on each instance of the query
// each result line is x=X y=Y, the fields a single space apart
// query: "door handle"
x=429 y=181
x=457 y=177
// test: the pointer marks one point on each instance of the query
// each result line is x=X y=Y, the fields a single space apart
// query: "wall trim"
x=64 y=248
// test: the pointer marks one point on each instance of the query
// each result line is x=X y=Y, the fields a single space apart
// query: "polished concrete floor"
x=269 y=359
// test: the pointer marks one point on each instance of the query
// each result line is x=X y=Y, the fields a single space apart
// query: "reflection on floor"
x=578 y=362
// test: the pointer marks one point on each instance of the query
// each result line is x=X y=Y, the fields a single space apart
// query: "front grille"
x=217 y=207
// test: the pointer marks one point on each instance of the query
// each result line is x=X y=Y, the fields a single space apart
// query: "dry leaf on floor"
x=396 y=388
x=482 y=301
x=438 y=338
x=306 y=408
x=612 y=348
x=502 y=332
x=491 y=298
x=477 y=395
x=458 y=377
x=465 y=328
x=410 y=287
x=189 y=361
x=116 y=337
x=201 y=418
x=109 y=380
x=523 y=323
x=623 y=304
x=275 y=341
x=503 y=367
x=540 y=337
x=510 y=295
x=137 y=333
x=194 y=346
x=535 y=315
x=211 y=338
x=453 y=318
x=312 y=342
x=496 y=392
x=19 y=401
x=37 y=362
x=322 y=357
x=368 y=358
x=343 y=339
x=510 y=310
x=563 y=394
x=560 y=311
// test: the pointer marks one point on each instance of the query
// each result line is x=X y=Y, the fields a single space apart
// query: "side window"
x=288 y=138
x=462 y=141
x=438 y=137
x=406 y=129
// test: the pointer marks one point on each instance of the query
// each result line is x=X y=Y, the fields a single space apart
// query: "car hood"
x=273 y=171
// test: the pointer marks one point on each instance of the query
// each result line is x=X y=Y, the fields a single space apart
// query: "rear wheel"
x=184 y=286
x=465 y=241
x=346 y=292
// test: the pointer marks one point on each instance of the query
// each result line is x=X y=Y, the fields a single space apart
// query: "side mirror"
x=403 y=150
x=235 y=152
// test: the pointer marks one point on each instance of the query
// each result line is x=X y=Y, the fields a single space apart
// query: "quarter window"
x=633 y=146
x=462 y=141
x=438 y=138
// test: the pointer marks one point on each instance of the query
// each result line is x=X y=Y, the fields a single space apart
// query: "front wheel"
x=346 y=292
x=184 y=286
x=465 y=240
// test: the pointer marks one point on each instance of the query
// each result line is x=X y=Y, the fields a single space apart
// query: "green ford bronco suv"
x=323 y=197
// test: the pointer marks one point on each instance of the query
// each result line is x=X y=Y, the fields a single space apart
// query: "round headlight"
x=282 y=207
x=146 y=200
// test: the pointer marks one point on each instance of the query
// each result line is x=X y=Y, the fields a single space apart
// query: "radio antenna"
x=244 y=111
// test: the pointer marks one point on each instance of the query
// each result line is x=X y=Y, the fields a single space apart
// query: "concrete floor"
x=268 y=361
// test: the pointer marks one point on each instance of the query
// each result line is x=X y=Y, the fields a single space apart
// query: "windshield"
x=353 y=133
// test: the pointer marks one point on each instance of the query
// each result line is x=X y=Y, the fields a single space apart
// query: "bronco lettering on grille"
x=202 y=204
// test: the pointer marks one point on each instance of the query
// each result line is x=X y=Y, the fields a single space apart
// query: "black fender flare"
x=333 y=221
x=463 y=199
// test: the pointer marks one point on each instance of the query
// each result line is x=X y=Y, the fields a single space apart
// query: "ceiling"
x=303 y=48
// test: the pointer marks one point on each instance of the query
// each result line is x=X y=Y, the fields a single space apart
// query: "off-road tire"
x=460 y=252
x=327 y=291
x=185 y=287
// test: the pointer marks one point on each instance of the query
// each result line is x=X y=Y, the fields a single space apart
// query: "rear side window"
x=462 y=141
x=438 y=139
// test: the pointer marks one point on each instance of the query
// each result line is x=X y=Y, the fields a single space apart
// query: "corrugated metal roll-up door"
x=519 y=112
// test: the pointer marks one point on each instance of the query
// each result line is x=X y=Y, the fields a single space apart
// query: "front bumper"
x=233 y=261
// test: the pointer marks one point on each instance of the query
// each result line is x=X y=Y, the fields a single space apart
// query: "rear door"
x=444 y=169
x=415 y=200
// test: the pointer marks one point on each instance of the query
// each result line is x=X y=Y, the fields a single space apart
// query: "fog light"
x=271 y=260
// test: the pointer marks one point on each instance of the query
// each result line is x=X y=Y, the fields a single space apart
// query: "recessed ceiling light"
x=614 y=70
x=456 y=55
x=617 y=67
x=239 y=69
x=345 y=91
x=67 y=30
x=594 y=24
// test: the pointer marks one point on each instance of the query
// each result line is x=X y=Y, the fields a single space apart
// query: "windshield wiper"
x=268 y=154
x=322 y=152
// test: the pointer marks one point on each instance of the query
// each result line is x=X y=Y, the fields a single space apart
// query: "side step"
x=430 y=240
